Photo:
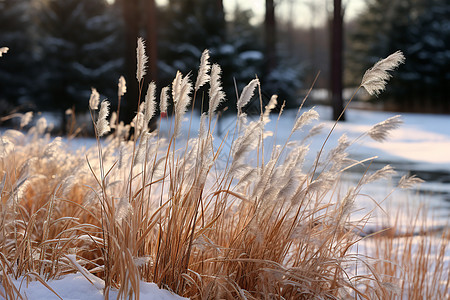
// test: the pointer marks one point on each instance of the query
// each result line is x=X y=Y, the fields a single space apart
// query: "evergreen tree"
x=426 y=75
x=16 y=68
x=139 y=16
x=281 y=72
x=242 y=57
x=190 y=26
x=80 y=50
x=421 y=29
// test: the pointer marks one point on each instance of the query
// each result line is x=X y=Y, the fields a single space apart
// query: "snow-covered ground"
x=421 y=145
x=76 y=287
x=422 y=142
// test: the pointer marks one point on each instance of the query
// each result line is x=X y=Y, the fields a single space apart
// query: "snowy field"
x=421 y=145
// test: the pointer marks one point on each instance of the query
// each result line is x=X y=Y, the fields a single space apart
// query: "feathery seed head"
x=202 y=130
x=181 y=89
x=141 y=59
x=246 y=142
x=102 y=123
x=375 y=78
x=338 y=154
x=314 y=131
x=379 y=132
x=407 y=182
x=270 y=106
x=203 y=70
x=347 y=204
x=68 y=183
x=123 y=152
x=94 y=99
x=384 y=173
x=122 y=86
x=306 y=118
x=163 y=102
x=123 y=209
x=142 y=148
x=138 y=122
x=6 y=147
x=176 y=86
x=41 y=125
x=52 y=149
x=216 y=94
x=246 y=94
x=113 y=119
x=3 y=50
x=25 y=119
x=149 y=106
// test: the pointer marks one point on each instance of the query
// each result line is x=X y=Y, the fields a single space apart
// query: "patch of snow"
x=251 y=55
x=76 y=286
x=226 y=49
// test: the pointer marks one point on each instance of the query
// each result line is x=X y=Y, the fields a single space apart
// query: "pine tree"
x=80 y=50
x=426 y=75
x=139 y=16
x=270 y=36
x=420 y=28
x=190 y=26
x=16 y=67
x=281 y=73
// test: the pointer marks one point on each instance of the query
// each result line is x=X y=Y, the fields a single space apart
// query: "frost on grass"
x=121 y=86
x=141 y=60
x=102 y=124
x=201 y=216
x=379 y=132
x=3 y=50
x=94 y=100
x=203 y=76
x=375 y=78
x=216 y=94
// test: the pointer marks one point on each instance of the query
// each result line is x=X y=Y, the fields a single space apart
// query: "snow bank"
x=76 y=286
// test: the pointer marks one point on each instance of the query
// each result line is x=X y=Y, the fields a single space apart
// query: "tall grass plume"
x=206 y=217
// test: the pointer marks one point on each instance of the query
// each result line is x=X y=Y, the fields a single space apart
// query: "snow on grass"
x=423 y=142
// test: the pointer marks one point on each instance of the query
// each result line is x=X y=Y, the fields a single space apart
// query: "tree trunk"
x=219 y=4
x=336 y=60
x=130 y=11
x=152 y=44
x=221 y=16
x=270 y=37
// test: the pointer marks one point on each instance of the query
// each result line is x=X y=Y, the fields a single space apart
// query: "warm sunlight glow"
x=302 y=13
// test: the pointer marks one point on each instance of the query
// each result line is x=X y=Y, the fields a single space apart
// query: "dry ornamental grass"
x=198 y=218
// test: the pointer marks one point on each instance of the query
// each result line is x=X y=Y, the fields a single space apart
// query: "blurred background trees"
x=421 y=29
x=79 y=49
x=59 y=49
x=16 y=32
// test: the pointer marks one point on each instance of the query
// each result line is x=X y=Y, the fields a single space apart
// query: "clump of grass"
x=411 y=259
x=194 y=216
